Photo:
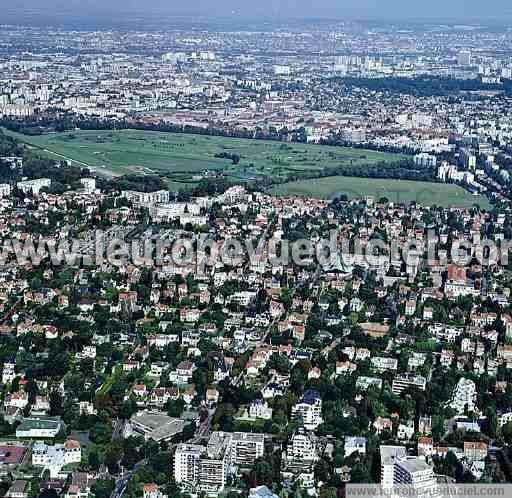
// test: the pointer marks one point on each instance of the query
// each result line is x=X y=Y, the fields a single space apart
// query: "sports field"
x=182 y=156
x=425 y=193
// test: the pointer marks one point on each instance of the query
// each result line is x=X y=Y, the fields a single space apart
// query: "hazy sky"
x=373 y=9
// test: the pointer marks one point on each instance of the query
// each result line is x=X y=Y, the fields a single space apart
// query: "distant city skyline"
x=463 y=10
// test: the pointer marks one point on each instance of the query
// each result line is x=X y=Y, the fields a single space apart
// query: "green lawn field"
x=180 y=156
x=425 y=193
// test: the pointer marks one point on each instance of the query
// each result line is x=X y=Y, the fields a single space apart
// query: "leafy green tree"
x=360 y=474
x=101 y=433
x=492 y=421
x=56 y=403
x=328 y=492
x=128 y=408
x=35 y=486
x=175 y=408
x=113 y=455
x=103 y=488
x=280 y=363
x=93 y=459
x=506 y=432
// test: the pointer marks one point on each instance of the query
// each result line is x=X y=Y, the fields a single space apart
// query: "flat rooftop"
x=158 y=426
x=28 y=424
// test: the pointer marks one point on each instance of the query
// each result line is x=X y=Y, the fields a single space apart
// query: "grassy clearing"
x=395 y=190
x=109 y=381
x=181 y=156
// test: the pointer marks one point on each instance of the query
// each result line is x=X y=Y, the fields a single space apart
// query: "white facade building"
x=415 y=472
x=425 y=160
x=206 y=469
x=8 y=372
x=260 y=409
x=405 y=381
x=33 y=186
x=5 y=190
x=146 y=199
x=302 y=447
x=57 y=456
x=388 y=456
x=355 y=444
x=309 y=410
x=89 y=184
x=464 y=396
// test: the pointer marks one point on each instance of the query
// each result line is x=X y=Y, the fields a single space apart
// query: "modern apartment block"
x=403 y=382
x=309 y=410
x=397 y=468
x=206 y=469
x=415 y=472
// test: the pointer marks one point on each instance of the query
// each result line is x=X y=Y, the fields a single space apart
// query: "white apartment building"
x=213 y=472
x=186 y=463
x=146 y=199
x=464 y=396
x=425 y=160
x=309 y=410
x=404 y=381
x=160 y=341
x=87 y=408
x=364 y=383
x=415 y=472
x=174 y=210
x=468 y=159
x=206 y=469
x=464 y=58
x=243 y=298
x=416 y=360
x=33 y=186
x=282 y=70
x=354 y=444
x=8 y=372
x=19 y=111
x=260 y=409
x=57 y=456
x=89 y=184
x=5 y=190
x=382 y=364
x=388 y=456
x=456 y=289
x=447 y=172
x=233 y=195
x=245 y=448
x=302 y=447
x=88 y=352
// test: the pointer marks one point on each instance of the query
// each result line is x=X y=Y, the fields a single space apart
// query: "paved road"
x=122 y=482
x=117 y=432
x=204 y=430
